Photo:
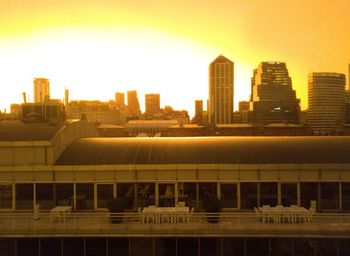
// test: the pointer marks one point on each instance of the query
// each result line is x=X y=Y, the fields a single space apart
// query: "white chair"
x=181 y=204
x=259 y=217
x=279 y=215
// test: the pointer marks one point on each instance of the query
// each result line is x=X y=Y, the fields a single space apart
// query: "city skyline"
x=122 y=46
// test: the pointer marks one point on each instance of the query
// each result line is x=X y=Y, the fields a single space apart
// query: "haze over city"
x=96 y=48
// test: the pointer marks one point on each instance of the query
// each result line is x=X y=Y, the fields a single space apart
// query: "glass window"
x=24 y=196
x=326 y=247
x=228 y=194
x=289 y=194
x=104 y=195
x=308 y=193
x=257 y=246
x=187 y=246
x=50 y=246
x=249 y=195
x=329 y=196
x=344 y=246
x=145 y=194
x=268 y=193
x=166 y=195
x=206 y=189
x=233 y=246
x=27 y=247
x=345 y=191
x=210 y=246
x=188 y=193
x=304 y=247
x=5 y=196
x=127 y=191
x=73 y=246
x=64 y=194
x=119 y=246
x=141 y=246
x=281 y=246
x=165 y=246
x=8 y=246
x=85 y=196
x=95 y=247
x=45 y=195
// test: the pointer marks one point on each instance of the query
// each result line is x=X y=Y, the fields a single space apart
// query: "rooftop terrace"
x=98 y=224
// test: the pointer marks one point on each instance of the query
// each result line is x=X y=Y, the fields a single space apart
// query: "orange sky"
x=97 y=47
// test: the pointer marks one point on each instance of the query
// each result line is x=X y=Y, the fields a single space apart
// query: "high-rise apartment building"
x=221 y=82
x=326 y=99
x=152 y=103
x=41 y=90
x=120 y=99
x=133 y=104
x=273 y=99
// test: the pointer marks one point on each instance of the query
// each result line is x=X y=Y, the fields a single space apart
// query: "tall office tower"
x=66 y=97
x=221 y=73
x=133 y=104
x=152 y=103
x=198 y=115
x=120 y=99
x=273 y=99
x=326 y=102
x=41 y=90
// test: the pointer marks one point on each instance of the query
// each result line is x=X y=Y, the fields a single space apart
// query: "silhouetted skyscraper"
x=41 y=90
x=221 y=76
x=272 y=96
x=133 y=104
x=66 y=97
x=198 y=116
x=326 y=96
x=152 y=103
x=120 y=99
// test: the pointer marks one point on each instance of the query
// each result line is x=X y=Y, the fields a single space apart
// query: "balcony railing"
x=197 y=224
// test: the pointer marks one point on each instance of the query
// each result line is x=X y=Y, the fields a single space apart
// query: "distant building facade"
x=96 y=112
x=221 y=84
x=243 y=110
x=133 y=104
x=273 y=99
x=52 y=112
x=152 y=103
x=347 y=107
x=198 y=116
x=326 y=99
x=41 y=90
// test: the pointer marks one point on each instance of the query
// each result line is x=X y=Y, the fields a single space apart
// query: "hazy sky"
x=98 y=47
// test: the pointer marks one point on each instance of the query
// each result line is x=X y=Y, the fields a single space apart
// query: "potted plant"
x=116 y=205
x=212 y=205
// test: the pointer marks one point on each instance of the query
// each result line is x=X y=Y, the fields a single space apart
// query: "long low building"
x=243 y=172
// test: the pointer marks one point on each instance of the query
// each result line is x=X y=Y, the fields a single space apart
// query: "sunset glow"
x=95 y=48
